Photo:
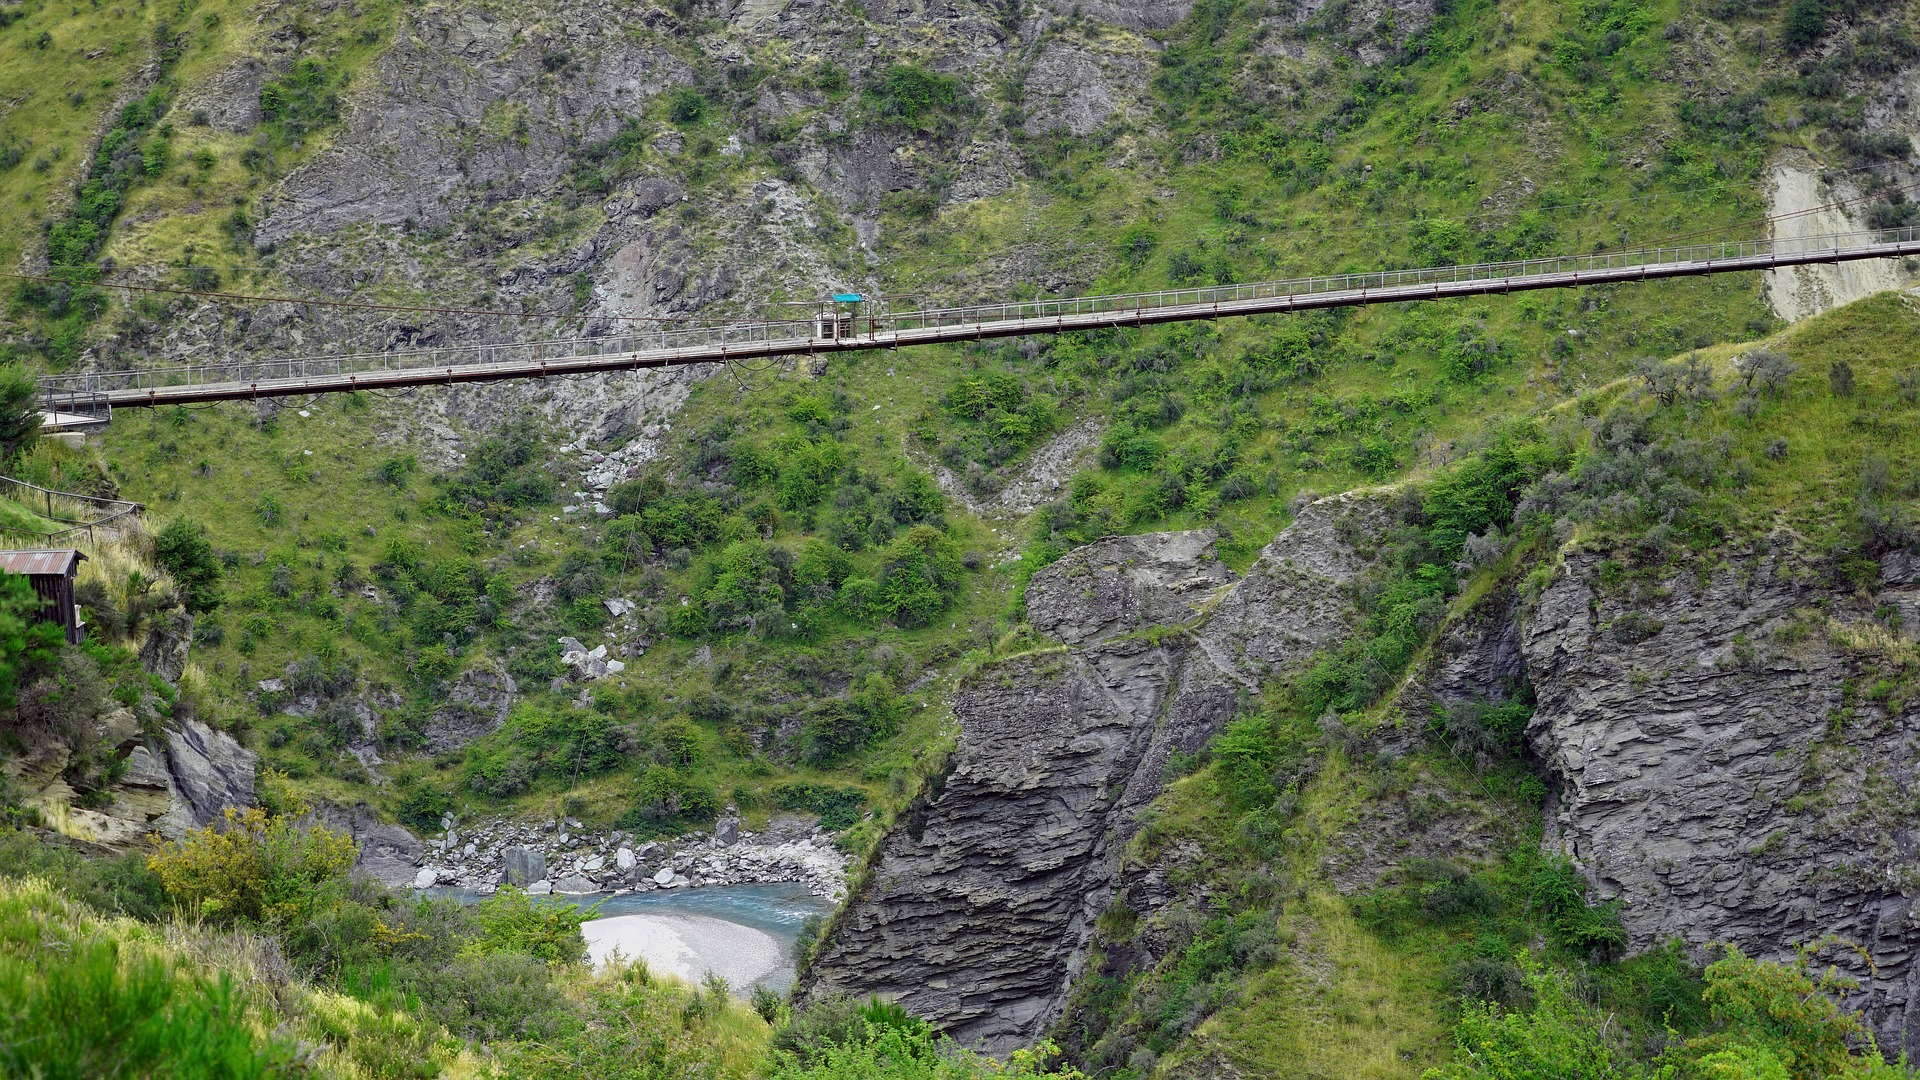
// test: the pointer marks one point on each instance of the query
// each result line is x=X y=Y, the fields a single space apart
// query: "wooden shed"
x=51 y=573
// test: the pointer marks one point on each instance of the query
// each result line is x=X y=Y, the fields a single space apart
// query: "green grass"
x=16 y=518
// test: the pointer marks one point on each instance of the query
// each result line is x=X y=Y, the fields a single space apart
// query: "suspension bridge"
x=77 y=401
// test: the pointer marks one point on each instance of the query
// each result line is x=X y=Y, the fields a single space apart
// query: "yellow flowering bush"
x=252 y=866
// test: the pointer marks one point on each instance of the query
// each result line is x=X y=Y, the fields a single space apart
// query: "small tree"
x=1661 y=379
x=28 y=646
x=1764 y=369
x=19 y=412
x=922 y=576
x=1840 y=378
x=182 y=549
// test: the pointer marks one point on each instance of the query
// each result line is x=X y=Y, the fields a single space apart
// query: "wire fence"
x=113 y=517
x=870 y=321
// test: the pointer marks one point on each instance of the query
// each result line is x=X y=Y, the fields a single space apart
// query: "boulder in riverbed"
x=523 y=865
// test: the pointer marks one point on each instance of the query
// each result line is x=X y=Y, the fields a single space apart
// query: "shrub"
x=117 y=885
x=913 y=97
x=499 y=995
x=838 y=808
x=922 y=575
x=547 y=929
x=253 y=866
x=1804 y=25
x=663 y=797
x=686 y=106
x=184 y=552
x=1560 y=1037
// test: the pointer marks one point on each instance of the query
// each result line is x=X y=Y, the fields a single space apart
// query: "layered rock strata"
x=980 y=904
x=1732 y=756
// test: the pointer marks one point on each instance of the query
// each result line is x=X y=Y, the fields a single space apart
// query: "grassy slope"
x=1557 y=164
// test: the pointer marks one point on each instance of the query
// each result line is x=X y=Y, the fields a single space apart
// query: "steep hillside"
x=1233 y=698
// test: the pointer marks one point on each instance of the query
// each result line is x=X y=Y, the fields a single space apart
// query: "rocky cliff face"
x=980 y=905
x=1732 y=756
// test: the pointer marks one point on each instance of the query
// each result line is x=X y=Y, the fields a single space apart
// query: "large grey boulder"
x=211 y=771
x=575 y=884
x=523 y=866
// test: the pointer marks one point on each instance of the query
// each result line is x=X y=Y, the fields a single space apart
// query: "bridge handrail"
x=708 y=335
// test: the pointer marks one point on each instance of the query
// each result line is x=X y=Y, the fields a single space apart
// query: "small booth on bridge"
x=836 y=322
x=51 y=573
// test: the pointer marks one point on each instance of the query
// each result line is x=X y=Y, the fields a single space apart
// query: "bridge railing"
x=706 y=338
x=67 y=409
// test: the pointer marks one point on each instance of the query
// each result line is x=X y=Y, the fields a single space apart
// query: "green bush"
x=547 y=929
x=839 y=808
x=116 y=885
x=493 y=996
x=301 y=101
x=253 y=867
x=915 y=98
x=665 y=798
x=1559 y=1037
x=184 y=552
x=921 y=576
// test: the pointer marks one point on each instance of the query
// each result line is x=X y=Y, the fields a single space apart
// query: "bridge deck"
x=760 y=340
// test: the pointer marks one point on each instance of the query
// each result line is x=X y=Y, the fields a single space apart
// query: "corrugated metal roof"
x=57 y=561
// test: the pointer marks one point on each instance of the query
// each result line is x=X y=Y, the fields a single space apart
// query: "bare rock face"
x=388 y=852
x=982 y=901
x=164 y=652
x=1731 y=761
x=1123 y=585
x=1133 y=14
x=474 y=704
x=1079 y=88
x=211 y=770
x=467 y=108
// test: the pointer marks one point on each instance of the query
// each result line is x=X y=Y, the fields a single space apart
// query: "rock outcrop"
x=210 y=769
x=474 y=704
x=981 y=902
x=1733 y=754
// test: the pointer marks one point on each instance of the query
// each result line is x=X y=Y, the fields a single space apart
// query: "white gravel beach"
x=689 y=946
